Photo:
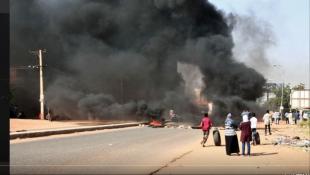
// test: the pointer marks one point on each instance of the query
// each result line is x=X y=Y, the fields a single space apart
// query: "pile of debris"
x=167 y=124
x=292 y=141
x=177 y=125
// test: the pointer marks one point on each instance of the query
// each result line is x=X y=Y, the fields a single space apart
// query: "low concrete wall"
x=40 y=133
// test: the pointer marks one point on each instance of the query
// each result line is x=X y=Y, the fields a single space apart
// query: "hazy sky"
x=289 y=20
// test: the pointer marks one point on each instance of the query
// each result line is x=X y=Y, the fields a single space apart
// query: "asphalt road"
x=139 y=150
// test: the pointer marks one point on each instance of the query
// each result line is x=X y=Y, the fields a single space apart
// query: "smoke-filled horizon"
x=108 y=58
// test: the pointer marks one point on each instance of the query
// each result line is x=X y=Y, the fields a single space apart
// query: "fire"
x=156 y=123
x=199 y=99
x=202 y=101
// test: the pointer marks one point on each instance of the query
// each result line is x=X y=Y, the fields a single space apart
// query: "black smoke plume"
x=107 y=58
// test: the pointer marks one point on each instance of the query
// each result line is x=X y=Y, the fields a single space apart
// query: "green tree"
x=275 y=103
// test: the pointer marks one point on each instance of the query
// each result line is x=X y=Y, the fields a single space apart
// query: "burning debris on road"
x=110 y=59
x=157 y=124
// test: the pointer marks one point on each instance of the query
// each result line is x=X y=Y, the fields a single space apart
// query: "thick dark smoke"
x=106 y=58
x=252 y=38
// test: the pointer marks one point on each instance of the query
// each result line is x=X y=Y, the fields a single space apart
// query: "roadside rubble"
x=292 y=141
x=180 y=126
x=169 y=124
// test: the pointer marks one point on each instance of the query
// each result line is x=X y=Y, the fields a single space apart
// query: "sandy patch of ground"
x=266 y=158
x=288 y=130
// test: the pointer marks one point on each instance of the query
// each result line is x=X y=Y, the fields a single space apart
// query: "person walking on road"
x=205 y=124
x=286 y=117
x=290 y=118
x=231 y=140
x=246 y=134
x=267 y=122
x=253 y=121
x=297 y=115
x=277 y=117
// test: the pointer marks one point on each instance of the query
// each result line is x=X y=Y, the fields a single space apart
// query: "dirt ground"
x=288 y=130
x=36 y=124
x=266 y=158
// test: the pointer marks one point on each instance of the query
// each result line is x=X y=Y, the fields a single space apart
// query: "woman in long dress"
x=231 y=140
x=246 y=135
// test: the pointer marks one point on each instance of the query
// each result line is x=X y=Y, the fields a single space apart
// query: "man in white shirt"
x=290 y=118
x=253 y=121
x=286 y=118
x=266 y=119
x=276 y=116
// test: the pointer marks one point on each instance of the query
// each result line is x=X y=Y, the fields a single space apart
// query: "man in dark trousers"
x=267 y=122
x=253 y=121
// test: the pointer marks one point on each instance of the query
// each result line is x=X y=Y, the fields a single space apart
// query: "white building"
x=266 y=97
x=300 y=99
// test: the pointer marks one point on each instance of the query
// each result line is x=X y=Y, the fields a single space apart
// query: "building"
x=300 y=99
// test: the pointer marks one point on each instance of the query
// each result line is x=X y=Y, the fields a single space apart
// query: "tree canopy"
x=275 y=103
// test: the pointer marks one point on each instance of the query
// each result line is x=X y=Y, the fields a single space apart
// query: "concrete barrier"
x=47 y=132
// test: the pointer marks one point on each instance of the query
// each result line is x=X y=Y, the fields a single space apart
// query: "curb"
x=28 y=134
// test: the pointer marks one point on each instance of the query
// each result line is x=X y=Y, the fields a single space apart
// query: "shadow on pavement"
x=263 y=154
x=263 y=129
x=213 y=146
x=264 y=144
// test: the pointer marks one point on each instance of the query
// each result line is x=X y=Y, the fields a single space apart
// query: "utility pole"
x=281 y=106
x=41 y=86
x=40 y=66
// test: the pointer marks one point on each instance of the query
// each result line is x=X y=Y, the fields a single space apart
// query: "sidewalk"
x=24 y=128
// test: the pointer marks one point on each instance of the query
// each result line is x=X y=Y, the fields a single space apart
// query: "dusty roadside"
x=267 y=158
x=17 y=125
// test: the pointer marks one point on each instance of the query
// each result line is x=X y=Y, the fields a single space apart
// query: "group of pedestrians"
x=276 y=116
x=289 y=117
x=292 y=117
x=248 y=128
